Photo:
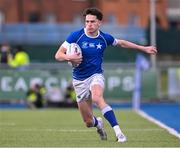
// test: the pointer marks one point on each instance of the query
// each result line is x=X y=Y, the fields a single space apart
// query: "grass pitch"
x=65 y=128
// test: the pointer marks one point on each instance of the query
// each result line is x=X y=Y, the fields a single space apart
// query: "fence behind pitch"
x=119 y=80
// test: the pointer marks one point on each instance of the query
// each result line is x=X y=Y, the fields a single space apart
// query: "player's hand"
x=150 y=50
x=76 y=58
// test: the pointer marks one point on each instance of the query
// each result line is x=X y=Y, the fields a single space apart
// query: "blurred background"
x=31 y=31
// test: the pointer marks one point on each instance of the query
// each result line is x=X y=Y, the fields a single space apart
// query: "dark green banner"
x=119 y=83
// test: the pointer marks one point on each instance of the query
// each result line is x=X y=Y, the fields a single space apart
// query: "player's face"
x=92 y=24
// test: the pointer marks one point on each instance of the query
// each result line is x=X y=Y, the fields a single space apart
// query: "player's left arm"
x=127 y=44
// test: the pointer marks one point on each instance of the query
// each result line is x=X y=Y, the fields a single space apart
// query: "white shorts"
x=83 y=88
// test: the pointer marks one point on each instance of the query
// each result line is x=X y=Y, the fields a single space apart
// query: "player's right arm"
x=62 y=56
x=61 y=53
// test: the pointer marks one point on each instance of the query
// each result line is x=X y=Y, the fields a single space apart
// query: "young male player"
x=88 y=79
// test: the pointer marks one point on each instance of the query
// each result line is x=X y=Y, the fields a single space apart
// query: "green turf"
x=65 y=128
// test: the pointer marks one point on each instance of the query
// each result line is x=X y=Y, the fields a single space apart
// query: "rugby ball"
x=73 y=48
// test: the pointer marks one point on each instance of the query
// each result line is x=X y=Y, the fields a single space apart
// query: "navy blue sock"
x=109 y=115
x=95 y=121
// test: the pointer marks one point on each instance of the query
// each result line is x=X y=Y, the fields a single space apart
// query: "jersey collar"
x=91 y=36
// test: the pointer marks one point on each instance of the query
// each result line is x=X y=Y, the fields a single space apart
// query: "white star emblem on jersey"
x=99 y=46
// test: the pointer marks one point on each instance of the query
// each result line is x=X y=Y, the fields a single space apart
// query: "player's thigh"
x=85 y=108
x=97 y=96
x=96 y=92
x=97 y=87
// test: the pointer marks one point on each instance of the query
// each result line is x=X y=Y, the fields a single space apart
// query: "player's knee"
x=96 y=98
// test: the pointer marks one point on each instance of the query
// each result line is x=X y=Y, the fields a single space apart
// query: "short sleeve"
x=115 y=42
x=73 y=37
x=66 y=45
x=110 y=40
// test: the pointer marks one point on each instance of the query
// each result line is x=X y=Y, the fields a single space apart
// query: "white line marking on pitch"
x=162 y=125
x=7 y=124
x=83 y=131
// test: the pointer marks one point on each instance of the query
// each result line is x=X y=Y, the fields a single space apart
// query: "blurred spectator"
x=21 y=58
x=35 y=96
x=70 y=95
x=5 y=54
x=178 y=74
x=54 y=96
x=174 y=24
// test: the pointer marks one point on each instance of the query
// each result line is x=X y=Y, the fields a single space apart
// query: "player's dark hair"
x=93 y=11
